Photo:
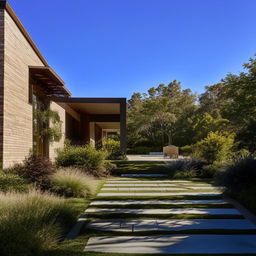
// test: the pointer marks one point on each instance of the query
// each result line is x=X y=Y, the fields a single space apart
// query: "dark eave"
x=52 y=83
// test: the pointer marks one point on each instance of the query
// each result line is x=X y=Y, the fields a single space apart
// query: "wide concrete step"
x=159 y=194
x=217 y=211
x=158 y=189
x=148 y=181
x=170 y=225
x=156 y=202
x=174 y=244
x=141 y=175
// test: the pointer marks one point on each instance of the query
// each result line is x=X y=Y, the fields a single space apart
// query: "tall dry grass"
x=73 y=182
x=31 y=223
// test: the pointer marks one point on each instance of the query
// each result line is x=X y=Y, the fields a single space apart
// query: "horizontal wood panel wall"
x=1 y=81
x=17 y=130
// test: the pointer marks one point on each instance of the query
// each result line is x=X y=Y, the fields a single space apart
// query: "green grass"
x=134 y=167
x=93 y=232
x=163 y=216
x=177 y=197
x=166 y=206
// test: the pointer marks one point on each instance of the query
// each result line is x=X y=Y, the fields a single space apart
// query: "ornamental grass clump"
x=32 y=223
x=72 y=182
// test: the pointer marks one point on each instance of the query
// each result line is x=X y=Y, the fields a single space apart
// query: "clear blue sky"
x=112 y=48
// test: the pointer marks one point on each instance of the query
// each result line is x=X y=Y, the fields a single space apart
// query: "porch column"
x=123 y=126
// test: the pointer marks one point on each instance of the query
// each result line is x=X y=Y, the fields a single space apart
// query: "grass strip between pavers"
x=166 y=206
x=174 y=197
x=160 y=191
x=94 y=232
x=163 y=216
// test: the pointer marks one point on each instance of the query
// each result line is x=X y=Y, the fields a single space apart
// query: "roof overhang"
x=52 y=84
x=94 y=106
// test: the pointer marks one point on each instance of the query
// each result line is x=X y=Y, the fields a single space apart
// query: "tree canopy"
x=168 y=114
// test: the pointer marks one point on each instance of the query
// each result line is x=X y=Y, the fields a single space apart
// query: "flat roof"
x=93 y=106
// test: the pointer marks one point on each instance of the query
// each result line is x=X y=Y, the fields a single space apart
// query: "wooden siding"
x=18 y=55
x=1 y=81
x=55 y=145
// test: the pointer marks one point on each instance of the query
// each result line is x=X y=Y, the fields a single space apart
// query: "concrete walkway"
x=220 y=228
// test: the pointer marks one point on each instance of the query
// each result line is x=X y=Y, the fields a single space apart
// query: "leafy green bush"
x=71 y=182
x=215 y=147
x=86 y=157
x=109 y=166
x=12 y=182
x=186 y=150
x=32 y=223
x=35 y=169
x=113 y=148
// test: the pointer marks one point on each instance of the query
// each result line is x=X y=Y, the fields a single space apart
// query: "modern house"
x=25 y=77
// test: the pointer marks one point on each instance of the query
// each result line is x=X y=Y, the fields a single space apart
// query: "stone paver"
x=139 y=185
x=152 y=202
x=156 y=188
x=135 y=175
x=171 y=225
x=160 y=194
x=171 y=244
x=168 y=244
x=142 y=189
x=216 y=211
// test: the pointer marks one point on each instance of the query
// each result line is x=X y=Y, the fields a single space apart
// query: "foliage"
x=71 y=182
x=168 y=113
x=156 y=117
x=86 y=157
x=35 y=169
x=47 y=124
x=113 y=148
x=186 y=168
x=215 y=147
x=240 y=175
x=12 y=182
x=32 y=223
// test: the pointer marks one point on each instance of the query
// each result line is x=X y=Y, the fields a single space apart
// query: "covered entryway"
x=91 y=119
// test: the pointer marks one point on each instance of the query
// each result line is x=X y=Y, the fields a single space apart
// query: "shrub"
x=86 y=157
x=35 y=169
x=12 y=182
x=186 y=168
x=32 y=223
x=73 y=182
x=113 y=148
x=186 y=150
x=239 y=176
x=215 y=147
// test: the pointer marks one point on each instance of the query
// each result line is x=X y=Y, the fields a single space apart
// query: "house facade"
x=25 y=76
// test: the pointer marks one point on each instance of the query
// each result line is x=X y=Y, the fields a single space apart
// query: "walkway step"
x=160 y=194
x=156 y=202
x=171 y=225
x=217 y=211
x=141 y=175
x=171 y=244
x=156 y=189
